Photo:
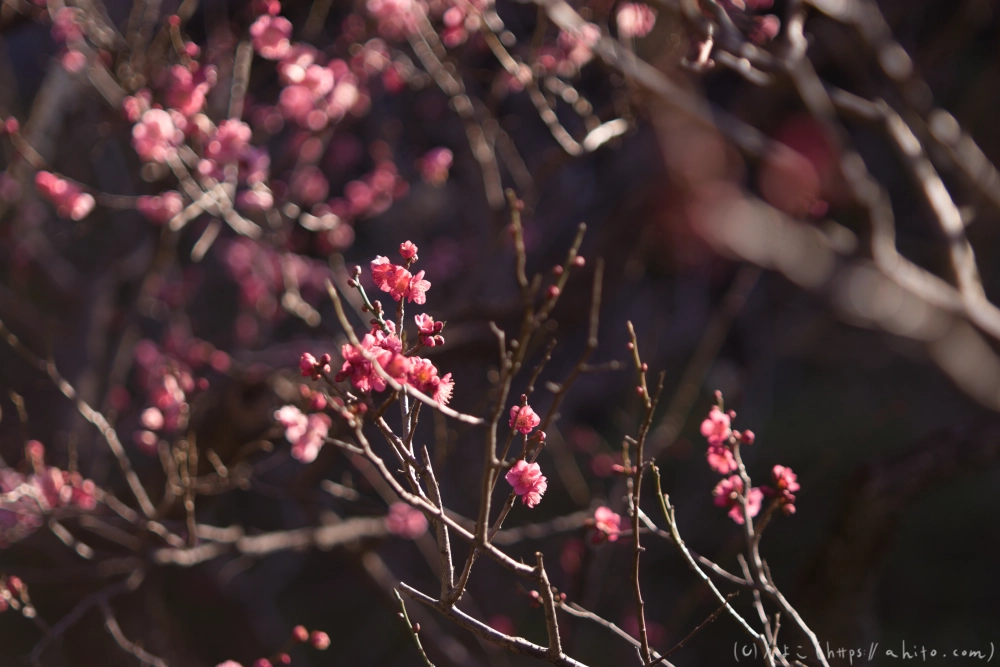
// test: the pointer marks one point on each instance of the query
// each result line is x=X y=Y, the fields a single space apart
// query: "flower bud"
x=319 y=640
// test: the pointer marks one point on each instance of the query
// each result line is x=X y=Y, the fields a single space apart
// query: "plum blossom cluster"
x=378 y=360
x=380 y=354
x=716 y=429
x=722 y=456
x=526 y=477
x=785 y=485
x=26 y=499
x=171 y=126
x=398 y=281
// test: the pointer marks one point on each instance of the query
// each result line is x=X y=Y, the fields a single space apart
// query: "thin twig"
x=414 y=629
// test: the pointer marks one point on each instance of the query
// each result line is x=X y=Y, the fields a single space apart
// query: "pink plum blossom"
x=716 y=426
x=423 y=376
x=310 y=367
x=408 y=251
x=528 y=482
x=399 y=282
x=359 y=369
x=727 y=494
x=785 y=485
x=721 y=459
x=523 y=419
x=428 y=330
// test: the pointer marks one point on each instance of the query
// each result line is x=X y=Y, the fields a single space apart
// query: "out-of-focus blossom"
x=395 y=17
x=29 y=498
x=635 y=20
x=309 y=185
x=187 y=86
x=70 y=201
x=320 y=640
x=73 y=61
x=311 y=367
x=292 y=68
x=607 y=525
x=405 y=521
x=160 y=209
x=721 y=459
x=785 y=485
x=579 y=45
x=230 y=142
x=765 y=28
x=306 y=447
x=727 y=493
x=435 y=165
x=155 y=136
x=271 y=36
